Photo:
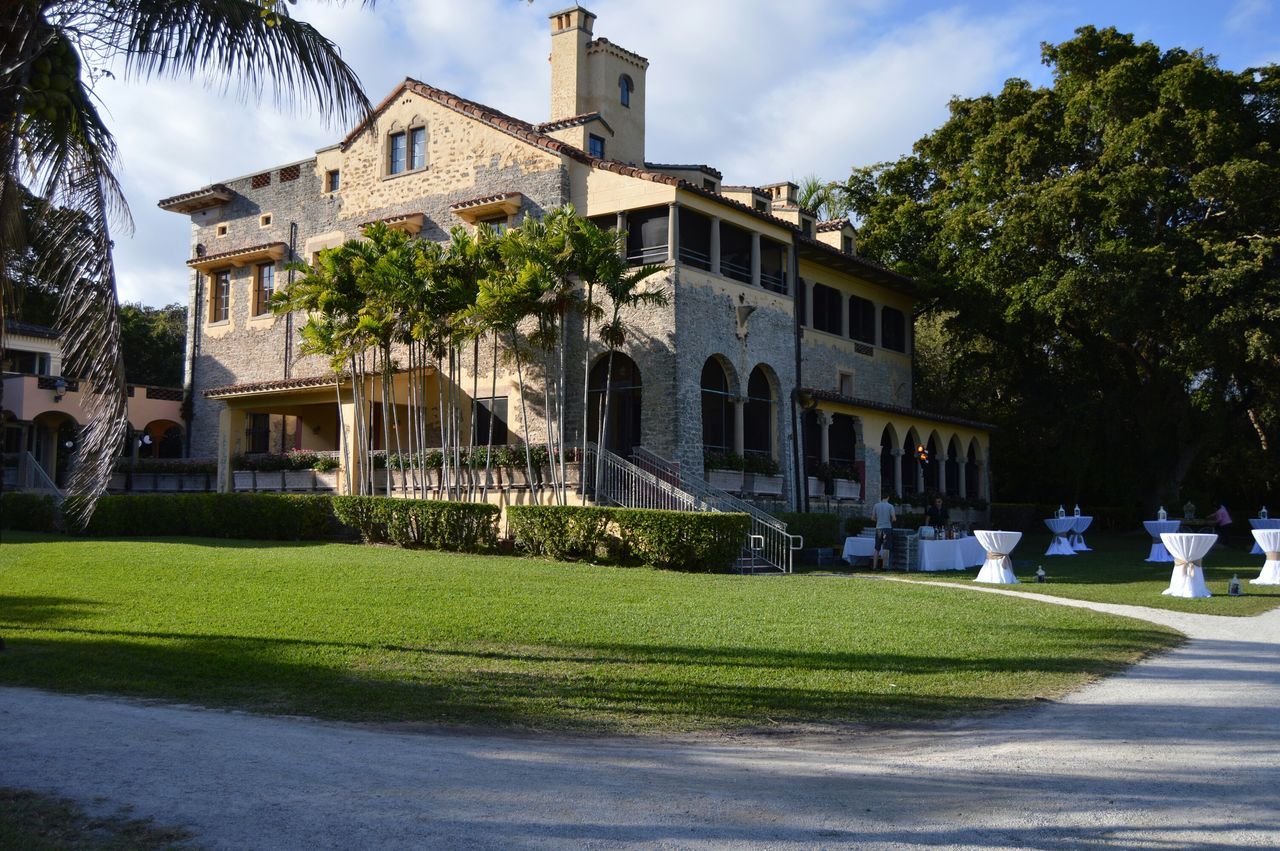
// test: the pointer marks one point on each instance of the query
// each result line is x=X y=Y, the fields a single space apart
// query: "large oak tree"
x=1101 y=257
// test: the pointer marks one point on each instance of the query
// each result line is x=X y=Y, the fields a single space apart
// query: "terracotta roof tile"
x=571 y=121
x=216 y=192
x=231 y=255
x=833 y=224
x=484 y=199
x=268 y=386
x=702 y=167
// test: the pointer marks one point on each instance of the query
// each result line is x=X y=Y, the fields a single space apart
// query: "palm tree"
x=52 y=134
x=622 y=286
x=823 y=197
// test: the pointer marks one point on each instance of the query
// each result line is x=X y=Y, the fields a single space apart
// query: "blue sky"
x=761 y=89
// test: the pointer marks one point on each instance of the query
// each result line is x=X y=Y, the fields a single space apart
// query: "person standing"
x=1223 y=521
x=885 y=517
x=937 y=514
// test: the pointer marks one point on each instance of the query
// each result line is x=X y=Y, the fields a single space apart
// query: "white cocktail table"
x=1268 y=541
x=1077 y=533
x=1188 y=576
x=1262 y=523
x=997 y=569
x=1156 y=528
x=1060 y=527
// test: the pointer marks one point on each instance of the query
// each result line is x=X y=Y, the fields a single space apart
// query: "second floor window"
x=595 y=146
x=396 y=154
x=862 y=320
x=264 y=286
x=220 y=296
x=625 y=87
x=332 y=180
x=893 y=329
x=828 y=313
x=417 y=148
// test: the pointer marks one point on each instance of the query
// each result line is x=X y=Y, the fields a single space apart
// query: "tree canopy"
x=1100 y=257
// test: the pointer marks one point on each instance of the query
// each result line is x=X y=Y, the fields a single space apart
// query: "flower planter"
x=846 y=488
x=817 y=487
x=272 y=481
x=299 y=480
x=379 y=483
x=145 y=482
x=198 y=482
x=762 y=485
x=168 y=482
x=242 y=480
x=516 y=476
x=327 y=480
x=725 y=480
x=573 y=473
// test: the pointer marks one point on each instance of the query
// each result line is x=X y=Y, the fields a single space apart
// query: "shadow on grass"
x=588 y=686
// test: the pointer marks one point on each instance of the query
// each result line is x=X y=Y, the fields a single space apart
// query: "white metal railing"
x=611 y=479
x=777 y=544
x=648 y=254
x=34 y=478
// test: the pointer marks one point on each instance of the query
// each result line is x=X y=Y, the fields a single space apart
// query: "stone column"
x=942 y=474
x=984 y=484
x=228 y=444
x=824 y=445
x=622 y=229
x=739 y=424
x=897 y=471
x=715 y=245
x=755 y=258
x=919 y=477
x=962 y=467
x=673 y=232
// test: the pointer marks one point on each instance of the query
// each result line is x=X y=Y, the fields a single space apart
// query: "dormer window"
x=625 y=88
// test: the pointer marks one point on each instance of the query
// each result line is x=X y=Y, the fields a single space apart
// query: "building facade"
x=776 y=339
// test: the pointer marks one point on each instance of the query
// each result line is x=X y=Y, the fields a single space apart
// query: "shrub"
x=433 y=524
x=818 y=529
x=193 y=466
x=1016 y=516
x=28 y=512
x=714 y=459
x=760 y=465
x=560 y=531
x=682 y=540
x=261 y=516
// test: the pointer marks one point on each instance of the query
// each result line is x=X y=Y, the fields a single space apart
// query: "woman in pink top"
x=1223 y=520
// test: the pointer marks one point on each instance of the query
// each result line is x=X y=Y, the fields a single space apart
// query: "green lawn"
x=382 y=634
x=1115 y=572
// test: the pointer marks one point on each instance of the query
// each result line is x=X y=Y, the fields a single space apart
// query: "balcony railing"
x=695 y=258
x=737 y=271
x=648 y=254
x=775 y=281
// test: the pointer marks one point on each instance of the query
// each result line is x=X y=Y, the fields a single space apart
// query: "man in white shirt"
x=885 y=517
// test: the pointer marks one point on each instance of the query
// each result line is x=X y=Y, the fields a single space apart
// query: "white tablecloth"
x=1077 y=533
x=862 y=546
x=1188 y=576
x=1060 y=527
x=1259 y=523
x=956 y=554
x=1268 y=542
x=1156 y=528
x=997 y=571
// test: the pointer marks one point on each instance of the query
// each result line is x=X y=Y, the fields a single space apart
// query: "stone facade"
x=475 y=159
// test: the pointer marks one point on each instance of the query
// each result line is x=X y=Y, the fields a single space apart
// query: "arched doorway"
x=719 y=414
x=912 y=481
x=623 y=426
x=931 y=468
x=165 y=440
x=758 y=417
x=888 y=444
x=971 y=471
x=953 y=466
x=56 y=438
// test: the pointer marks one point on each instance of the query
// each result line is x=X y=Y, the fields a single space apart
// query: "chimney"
x=570 y=82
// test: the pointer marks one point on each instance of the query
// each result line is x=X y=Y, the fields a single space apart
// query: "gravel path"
x=1181 y=751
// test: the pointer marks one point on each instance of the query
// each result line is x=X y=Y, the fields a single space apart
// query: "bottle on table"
x=1262 y=515
x=1162 y=514
x=1077 y=513
x=1062 y=512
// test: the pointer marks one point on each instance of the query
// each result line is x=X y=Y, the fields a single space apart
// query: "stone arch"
x=719 y=390
x=51 y=432
x=889 y=444
x=626 y=393
x=954 y=467
x=972 y=466
x=760 y=413
x=165 y=439
x=932 y=470
x=911 y=474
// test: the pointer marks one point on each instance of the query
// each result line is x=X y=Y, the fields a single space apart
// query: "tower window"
x=595 y=146
x=625 y=88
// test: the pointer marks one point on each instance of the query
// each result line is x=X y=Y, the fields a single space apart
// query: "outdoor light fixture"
x=59 y=389
x=922 y=454
x=145 y=440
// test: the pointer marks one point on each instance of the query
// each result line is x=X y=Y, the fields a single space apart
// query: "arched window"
x=622 y=432
x=758 y=417
x=717 y=408
x=625 y=88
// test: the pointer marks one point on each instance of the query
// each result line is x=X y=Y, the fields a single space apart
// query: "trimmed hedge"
x=260 y=516
x=565 y=532
x=28 y=512
x=819 y=529
x=671 y=540
x=433 y=524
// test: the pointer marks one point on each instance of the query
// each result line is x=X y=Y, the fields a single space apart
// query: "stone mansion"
x=777 y=337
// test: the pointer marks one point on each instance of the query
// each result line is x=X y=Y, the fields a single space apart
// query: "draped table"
x=1262 y=523
x=1269 y=543
x=1187 y=550
x=956 y=554
x=1060 y=527
x=859 y=546
x=1077 y=533
x=1157 y=528
x=997 y=569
